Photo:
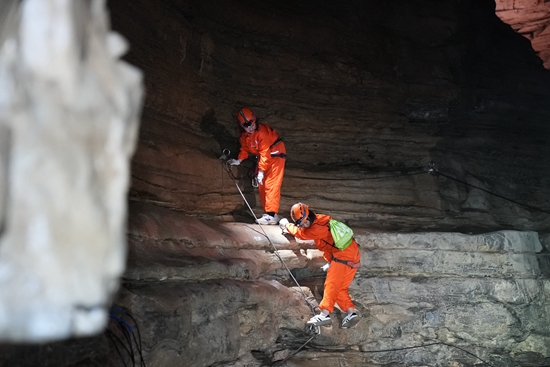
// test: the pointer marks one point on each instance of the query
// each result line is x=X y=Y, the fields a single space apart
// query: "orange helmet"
x=299 y=212
x=246 y=117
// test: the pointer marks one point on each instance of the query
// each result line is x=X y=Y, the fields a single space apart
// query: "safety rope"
x=227 y=167
x=278 y=363
x=129 y=340
x=428 y=345
x=434 y=171
x=359 y=179
x=314 y=328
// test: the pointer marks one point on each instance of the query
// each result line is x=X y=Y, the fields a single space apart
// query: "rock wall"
x=225 y=298
x=432 y=299
x=365 y=93
x=531 y=20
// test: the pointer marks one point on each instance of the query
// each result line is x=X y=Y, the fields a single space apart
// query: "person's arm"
x=296 y=231
x=263 y=147
x=316 y=233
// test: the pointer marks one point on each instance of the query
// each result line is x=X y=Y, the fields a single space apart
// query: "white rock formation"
x=68 y=125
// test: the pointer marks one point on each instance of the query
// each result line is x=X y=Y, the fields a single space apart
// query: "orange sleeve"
x=296 y=231
x=244 y=151
x=264 y=139
x=319 y=232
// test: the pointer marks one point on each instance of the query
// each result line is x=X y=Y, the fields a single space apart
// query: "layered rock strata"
x=223 y=297
x=365 y=93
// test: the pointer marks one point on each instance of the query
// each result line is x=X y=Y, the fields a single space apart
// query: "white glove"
x=325 y=267
x=260 y=177
x=282 y=223
x=234 y=162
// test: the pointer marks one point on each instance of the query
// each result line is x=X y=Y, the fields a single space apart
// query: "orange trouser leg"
x=339 y=277
x=270 y=191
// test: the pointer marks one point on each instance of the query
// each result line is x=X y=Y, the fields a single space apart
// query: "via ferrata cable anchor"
x=225 y=154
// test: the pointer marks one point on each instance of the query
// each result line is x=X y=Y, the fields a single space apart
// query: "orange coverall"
x=264 y=142
x=339 y=276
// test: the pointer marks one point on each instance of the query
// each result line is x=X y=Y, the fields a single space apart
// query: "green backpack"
x=341 y=234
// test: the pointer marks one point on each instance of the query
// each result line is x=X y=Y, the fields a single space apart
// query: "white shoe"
x=350 y=320
x=268 y=219
x=320 y=320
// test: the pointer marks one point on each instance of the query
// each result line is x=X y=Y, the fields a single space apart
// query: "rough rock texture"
x=68 y=126
x=219 y=301
x=366 y=95
x=456 y=299
x=531 y=19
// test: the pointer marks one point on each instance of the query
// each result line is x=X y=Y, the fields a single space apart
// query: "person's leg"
x=326 y=306
x=342 y=296
x=344 y=300
x=261 y=191
x=336 y=280
x=272 y=185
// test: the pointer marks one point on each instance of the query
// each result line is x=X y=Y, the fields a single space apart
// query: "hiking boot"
x=350 y=320
x=320 y=320
x=268 y=219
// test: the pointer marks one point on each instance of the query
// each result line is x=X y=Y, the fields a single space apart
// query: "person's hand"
x=282 y=224
x=234 y=162
x=325 y=267
x=260 y=177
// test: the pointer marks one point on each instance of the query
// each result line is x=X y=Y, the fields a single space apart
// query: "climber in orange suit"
x=341 y=267
x=264 y=142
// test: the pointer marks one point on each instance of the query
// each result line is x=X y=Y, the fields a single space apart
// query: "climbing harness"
x=351 y=264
